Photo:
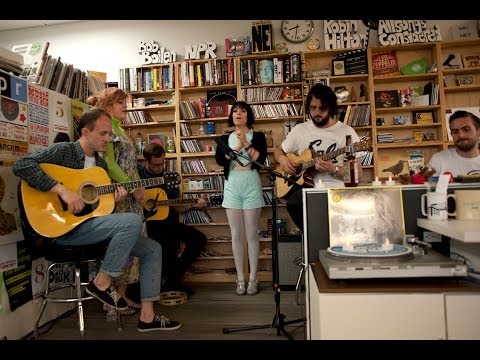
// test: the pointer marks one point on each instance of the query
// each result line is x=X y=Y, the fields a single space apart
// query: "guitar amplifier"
x=289 y=248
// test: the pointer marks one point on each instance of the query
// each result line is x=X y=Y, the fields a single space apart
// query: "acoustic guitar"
x=48 y=214
x=303 y=162
x=157 y=203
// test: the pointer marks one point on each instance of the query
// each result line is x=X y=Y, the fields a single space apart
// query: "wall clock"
x=297 y=31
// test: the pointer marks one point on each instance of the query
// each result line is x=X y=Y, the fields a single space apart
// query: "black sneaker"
x=159 y=323
x=109 y=297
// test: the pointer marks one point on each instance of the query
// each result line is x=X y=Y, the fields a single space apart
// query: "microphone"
x=227 y=150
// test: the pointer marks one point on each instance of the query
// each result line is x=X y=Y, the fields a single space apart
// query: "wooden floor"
x=214 y=306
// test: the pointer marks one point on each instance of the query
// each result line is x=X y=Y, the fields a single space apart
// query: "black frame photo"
x=338 y=67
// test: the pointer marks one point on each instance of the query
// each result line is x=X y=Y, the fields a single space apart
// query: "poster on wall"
x=11 y=151
x=13 y=108
x=60 y=116
x=8 y=257
x=10 y=228
x=78 y=108
x=38 y=100
x=39 y=269
x=18 y=281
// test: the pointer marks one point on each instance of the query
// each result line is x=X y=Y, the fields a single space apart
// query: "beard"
x=319 y=121
x=467 y=145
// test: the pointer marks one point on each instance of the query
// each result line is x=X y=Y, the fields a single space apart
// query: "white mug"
x=467 y=204
x=436 y=208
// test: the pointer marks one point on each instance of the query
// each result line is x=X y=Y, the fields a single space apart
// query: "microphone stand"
x=278 y=321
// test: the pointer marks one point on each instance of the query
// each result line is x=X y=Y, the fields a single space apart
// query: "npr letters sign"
x=13 y=87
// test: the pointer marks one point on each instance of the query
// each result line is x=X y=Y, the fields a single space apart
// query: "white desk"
x=386 y=309
x=463 y=230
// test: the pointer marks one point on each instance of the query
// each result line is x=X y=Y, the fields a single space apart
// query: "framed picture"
x=157 y=138
x=386 y=98
x=423 y=117
x=338 y=67
x=470 y=61
x=465 y=80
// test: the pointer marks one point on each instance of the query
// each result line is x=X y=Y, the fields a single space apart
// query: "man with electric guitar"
x=313 y=151
x=72 y=210
x=161 y=210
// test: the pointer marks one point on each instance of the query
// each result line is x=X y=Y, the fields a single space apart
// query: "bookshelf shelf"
x=153 y=107
x=168 y=120
x=459 y=89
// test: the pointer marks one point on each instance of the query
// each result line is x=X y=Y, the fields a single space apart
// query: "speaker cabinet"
x=289 y=248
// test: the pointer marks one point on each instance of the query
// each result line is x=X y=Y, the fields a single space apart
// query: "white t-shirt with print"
x=449 y=160
x=321 y=140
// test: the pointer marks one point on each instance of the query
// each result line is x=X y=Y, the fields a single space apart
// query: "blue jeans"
x=123 y=233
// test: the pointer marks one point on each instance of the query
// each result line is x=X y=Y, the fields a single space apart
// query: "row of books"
x=64 y=78
x=270 y=94
x=367 y=158
x=194 y=167
x=210 y=183
x=277 y=110
x=147 y=79
x=271 y=71
x=171 y=165
x=199 y=216
x=189 y=146
x=212 y=72
x=268 y=197
x=355 y=115
x=385 y=138
x=137 y=117
x=190 y=110
x=185 y=130
x=214 y=199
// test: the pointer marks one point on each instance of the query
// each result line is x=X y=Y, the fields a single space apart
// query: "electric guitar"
x=48 y=214
x=305 y=161
x=157 y=204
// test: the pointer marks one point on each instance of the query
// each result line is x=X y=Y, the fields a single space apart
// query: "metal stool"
x=75 y=256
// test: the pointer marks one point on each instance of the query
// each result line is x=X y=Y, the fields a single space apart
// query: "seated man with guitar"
x=62 y=201
x=313 y=151
x=162 y=207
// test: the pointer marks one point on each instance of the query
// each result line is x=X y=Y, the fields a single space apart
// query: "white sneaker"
x=252 y=288
x=240 y=290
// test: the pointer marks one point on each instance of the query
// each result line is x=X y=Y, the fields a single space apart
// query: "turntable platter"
x=371 y=251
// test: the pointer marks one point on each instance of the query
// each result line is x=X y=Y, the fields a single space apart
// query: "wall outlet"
x=430 y=236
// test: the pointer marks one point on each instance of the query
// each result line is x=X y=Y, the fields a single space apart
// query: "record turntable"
x=367 y=261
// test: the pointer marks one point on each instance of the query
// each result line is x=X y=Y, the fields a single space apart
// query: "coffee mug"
x=436 y=205
x=467 y=204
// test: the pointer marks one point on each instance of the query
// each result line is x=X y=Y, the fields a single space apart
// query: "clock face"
x=297 y=31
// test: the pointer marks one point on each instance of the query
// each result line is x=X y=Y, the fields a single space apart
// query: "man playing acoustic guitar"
x=122 y=231
x=316 y=138
x=163 y=222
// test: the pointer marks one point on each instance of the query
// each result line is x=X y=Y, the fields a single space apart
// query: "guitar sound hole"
x=150 y=204
x=89 y=193
x=298 y=169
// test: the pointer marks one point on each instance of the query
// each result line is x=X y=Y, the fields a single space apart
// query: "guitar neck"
x=324 y=157
x=175 y=202
x=130 y=185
